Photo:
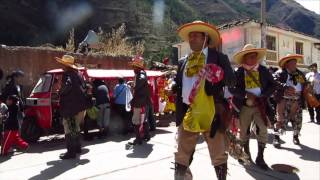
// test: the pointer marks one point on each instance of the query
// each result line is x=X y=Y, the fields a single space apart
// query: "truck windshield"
x=43 y=85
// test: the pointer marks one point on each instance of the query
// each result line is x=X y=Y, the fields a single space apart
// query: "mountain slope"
x=36 y=22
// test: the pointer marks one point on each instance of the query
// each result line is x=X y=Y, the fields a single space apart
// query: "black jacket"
x=11 y=122
x=101 y=93
x=141 y=94
x=73 y=97
x=281 y=79
x=212 y=89
x=268 y=85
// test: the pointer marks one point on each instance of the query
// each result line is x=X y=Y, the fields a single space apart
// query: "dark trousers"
x=150 y=117
x=312 y=109
x=125 y=116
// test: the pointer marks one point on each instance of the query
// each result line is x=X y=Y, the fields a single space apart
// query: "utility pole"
x=263 y=24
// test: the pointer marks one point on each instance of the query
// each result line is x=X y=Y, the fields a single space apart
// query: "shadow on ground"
x=59 y=167
x=141 y=151
x=305 y=153
x=260 y=174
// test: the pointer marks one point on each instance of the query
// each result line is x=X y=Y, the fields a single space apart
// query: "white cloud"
x=313 y=5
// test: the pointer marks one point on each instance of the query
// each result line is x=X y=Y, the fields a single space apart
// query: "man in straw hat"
x=73 y=103
x=140 y=102
x=289 y=97
x=313 y=77
x=254 y=85
x=203 y=38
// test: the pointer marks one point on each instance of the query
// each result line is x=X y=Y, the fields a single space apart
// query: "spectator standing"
x=101 y=93
x=122 y=96
x=73 y=103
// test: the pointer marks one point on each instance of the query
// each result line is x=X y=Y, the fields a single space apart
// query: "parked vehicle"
x=42 y=106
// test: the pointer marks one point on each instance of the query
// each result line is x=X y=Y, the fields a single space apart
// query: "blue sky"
x=313 y=5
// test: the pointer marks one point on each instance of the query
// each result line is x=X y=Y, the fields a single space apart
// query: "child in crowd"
x=11 y=127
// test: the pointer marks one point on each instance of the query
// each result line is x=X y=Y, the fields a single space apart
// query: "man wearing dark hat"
x=289 y=97
x=141 y=99
x=313 y=77
x=73 y=103
x=13 y=87
x=254 y=85
x=200 y=75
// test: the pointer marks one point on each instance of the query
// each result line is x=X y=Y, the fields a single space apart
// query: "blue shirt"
x=119 y=94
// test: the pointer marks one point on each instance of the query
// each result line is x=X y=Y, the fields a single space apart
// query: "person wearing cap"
x=289 y=97
x=11 y=127
x=73 y=103
x=203 y=39
x=254 y=85
x=141 y=99
x=12 y=86
x=313 y=77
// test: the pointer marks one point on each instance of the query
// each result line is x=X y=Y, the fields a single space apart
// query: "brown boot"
x=296 y=140
x=179 y=171
x=247 y=151
x=70 y=154
x=260 y=159
x=221 y=171
x=276 y=141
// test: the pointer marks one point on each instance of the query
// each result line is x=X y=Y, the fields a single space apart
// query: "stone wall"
x=35 y=61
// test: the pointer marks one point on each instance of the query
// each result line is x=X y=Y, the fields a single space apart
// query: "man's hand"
x=251 y=96
x=290 y=91
x=251 y=99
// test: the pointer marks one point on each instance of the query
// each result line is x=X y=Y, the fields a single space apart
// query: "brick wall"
x=35 y=61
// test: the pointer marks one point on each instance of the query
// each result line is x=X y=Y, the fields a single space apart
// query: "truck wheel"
x=30 y=131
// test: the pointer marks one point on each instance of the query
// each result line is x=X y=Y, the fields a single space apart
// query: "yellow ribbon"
x=195 y=64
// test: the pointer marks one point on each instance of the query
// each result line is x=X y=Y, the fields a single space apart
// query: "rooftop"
x=245 y=21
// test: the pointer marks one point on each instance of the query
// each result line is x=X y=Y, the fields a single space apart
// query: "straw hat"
x=289 y=57
x=249 y=48
x=200 y=26
x=67 y=60
x=137 y=62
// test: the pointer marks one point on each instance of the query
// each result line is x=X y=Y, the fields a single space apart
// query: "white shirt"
x=297 y=87
x=310 y=76
x=187 y=82
x=314 y=78
x=227 y=93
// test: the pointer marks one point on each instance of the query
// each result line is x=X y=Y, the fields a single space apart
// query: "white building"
x=280 y=42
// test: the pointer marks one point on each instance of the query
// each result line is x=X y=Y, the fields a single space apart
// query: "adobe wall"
x=36 y=60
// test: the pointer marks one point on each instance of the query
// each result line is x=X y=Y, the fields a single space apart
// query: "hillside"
x=36 y=22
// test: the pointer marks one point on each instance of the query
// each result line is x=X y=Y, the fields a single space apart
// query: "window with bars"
x=299 y=48
x=271 y=43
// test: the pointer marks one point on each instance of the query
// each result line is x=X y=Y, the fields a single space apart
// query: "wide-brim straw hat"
x=289 y=57
x=67 y=60
x=200 y=26
x=249 y=48
x=137 y=62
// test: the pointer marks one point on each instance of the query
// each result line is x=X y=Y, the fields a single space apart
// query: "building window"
x=271 y=43
x=271 y=56
x=299 y=48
